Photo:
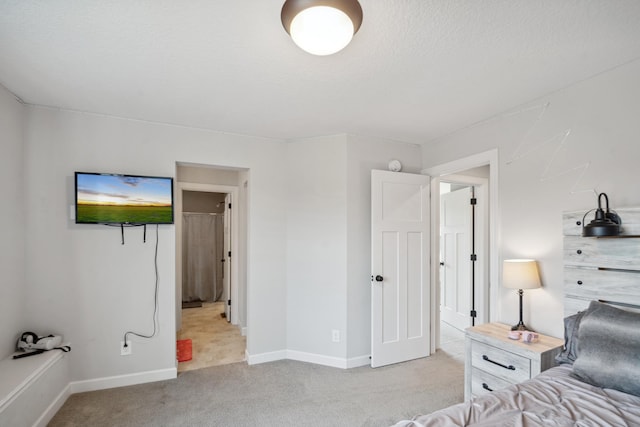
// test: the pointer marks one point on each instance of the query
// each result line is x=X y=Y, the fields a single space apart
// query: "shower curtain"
x=202 y=255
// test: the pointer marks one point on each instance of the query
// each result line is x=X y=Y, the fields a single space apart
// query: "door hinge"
x=473 y=313
x=474 y=257
x=229 y=302
x=229 y=254
x=474 y=201
x=229 y=205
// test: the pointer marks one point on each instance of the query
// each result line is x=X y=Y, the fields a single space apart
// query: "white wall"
x=553 y=160
x=13 y=319
x=83 y=283
x=329 y=243
x=363 y=155
x=306 y=266
x=207 y=174
x=316 y=245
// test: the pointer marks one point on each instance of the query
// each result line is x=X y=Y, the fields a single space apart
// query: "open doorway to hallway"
x=463 y=260
x=481 y=172
x=461 y=231
x=210 y=257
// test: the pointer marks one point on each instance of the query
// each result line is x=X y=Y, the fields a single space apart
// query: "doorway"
x=204 y=238
x=477 y=174
x=463 y=261
x=210 y=256
x=206 y=281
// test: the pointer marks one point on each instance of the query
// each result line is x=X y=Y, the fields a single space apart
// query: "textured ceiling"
x=416 y=70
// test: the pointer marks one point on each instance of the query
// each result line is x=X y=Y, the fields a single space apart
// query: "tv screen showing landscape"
x=123 y=199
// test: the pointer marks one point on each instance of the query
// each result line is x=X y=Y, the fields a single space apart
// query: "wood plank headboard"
x=604 y=268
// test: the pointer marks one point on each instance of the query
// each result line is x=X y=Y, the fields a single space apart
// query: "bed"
x=597 y=380
x=553 y=398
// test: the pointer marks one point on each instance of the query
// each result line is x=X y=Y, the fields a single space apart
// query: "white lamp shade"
x=322 y=30
x=321 y=27
x=520 y=274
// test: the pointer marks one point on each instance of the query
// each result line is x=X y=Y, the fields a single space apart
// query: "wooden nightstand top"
x=496 y=334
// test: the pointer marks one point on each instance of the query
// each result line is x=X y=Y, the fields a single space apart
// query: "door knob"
x=379 y=278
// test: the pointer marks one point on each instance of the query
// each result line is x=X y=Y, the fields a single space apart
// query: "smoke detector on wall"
x=395 y=165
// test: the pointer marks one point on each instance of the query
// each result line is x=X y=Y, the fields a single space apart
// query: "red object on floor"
x=184 y=350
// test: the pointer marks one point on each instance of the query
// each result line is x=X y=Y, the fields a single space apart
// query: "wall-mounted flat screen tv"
x=103 y=198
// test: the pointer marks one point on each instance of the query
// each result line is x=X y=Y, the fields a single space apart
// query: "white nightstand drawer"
x=482 y=382
x=500 y=363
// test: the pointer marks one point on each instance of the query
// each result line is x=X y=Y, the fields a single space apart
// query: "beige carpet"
x=214 y=341
x=284 y=393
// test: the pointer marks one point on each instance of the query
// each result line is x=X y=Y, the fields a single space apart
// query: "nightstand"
x=494 y=361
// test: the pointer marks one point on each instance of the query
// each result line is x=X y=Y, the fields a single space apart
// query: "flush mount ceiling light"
x=321 y=27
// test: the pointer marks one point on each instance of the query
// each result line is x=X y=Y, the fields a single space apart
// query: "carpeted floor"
x=283 y=393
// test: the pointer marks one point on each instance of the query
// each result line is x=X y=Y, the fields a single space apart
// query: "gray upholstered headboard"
x=601 y=268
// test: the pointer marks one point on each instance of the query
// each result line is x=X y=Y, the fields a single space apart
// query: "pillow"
x=609 y=348
x=569 y=353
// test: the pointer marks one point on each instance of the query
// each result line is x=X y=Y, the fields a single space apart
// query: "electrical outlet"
x=335 y=335
x=125 y=351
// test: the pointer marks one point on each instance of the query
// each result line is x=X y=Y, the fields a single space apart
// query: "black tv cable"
x=155 y=309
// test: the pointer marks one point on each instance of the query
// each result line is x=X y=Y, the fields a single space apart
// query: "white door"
x=400 y=294
x=227 y=256
x=455 y=257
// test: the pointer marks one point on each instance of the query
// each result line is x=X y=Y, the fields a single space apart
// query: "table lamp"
x=520 y=274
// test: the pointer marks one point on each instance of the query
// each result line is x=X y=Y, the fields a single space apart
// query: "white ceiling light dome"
x=321 y=27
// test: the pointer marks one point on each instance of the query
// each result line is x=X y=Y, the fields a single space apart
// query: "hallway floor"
x=217 y=342
x=214 y=341
x=452 y=341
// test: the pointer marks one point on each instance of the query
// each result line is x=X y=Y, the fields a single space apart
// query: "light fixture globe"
x=321 y=27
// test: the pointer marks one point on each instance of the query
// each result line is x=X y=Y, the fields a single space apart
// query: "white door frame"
x=208 y=188
x=481 y=159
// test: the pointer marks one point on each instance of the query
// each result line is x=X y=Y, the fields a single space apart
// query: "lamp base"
x=521 y=327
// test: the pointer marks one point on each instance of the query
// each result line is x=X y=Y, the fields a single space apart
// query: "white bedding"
x=553 y=398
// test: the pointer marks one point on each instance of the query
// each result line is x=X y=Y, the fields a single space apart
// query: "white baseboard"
x=265 y=357
x=356 y=362
x=123 y=380
x=300 y=356
x=318 y=359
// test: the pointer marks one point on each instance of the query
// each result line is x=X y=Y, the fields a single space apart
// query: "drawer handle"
x=486 y=387
x=510 y=367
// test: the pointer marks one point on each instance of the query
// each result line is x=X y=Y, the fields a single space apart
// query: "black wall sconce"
x=604 y=224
